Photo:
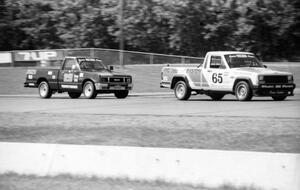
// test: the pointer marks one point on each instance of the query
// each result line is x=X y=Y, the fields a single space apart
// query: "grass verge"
x=66 y=182
x=209 y=132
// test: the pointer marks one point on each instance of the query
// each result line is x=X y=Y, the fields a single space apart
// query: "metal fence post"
x=121 y=58
x=12 y=58
x=151 y=58
x=92 y=52
x=182 y=60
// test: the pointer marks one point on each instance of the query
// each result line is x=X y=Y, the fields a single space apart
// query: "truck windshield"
x=242 y=60
x=92 y=66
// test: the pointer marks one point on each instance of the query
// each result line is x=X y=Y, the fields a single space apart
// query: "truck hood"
x=264 y=71
x=106 y=73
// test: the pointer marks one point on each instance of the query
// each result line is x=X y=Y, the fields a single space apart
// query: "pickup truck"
x=79 y=75
x=224 y=72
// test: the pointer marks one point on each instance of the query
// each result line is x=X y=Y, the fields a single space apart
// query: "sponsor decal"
x=30 y=76
x=53 y=77
x=87 y=59
x=193 y=71
x=38 y=55
x=170 y=70
x=194 y=74
x=80 y=74
x=197 y=83
x=76 y=78
x=35 y=55
x=69 y=86
x=68 y=77
x=49 y=72
x=117 y=87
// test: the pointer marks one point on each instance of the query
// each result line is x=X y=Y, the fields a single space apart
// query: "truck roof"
x=226 y=52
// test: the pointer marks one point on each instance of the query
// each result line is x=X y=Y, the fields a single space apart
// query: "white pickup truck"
x=224 y=72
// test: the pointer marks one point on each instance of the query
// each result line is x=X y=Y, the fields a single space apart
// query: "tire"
x=44 y=90
x=182 y=92
x=216 y=96
x=89 y=90
x=279 y=98
x=243 y=91
x=121 y=94
x=74 y=94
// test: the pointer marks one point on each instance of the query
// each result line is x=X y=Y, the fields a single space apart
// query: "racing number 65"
x=217 y=78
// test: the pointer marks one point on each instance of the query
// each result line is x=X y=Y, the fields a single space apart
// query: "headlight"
x=260 y=77
x=128 y=80
x=103 y=79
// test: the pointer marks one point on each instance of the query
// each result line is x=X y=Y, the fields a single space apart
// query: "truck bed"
x=34 y=75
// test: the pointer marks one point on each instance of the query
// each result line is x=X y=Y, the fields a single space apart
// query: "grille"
x=116 y=79
x=276 y=79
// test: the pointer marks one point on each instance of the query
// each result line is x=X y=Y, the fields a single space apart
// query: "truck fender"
x=88 y=79
x=177 y=78
x=39 y=80
x=248 y=80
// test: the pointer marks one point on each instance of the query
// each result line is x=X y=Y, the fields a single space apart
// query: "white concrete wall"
x=5 y=57
x=210 y=168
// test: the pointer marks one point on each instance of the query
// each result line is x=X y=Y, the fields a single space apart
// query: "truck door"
x=216 y=75
x=66 y=76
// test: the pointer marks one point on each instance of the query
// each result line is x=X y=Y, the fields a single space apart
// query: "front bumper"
x=30 y=84
x=113 y=87
x=274 y=90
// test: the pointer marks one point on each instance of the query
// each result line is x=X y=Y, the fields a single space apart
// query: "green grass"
x=66 y=182
x=209 y=132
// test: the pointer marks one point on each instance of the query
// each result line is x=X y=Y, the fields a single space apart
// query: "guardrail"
x=53 y=57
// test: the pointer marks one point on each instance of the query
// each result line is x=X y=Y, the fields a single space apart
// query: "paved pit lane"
x=154 y=120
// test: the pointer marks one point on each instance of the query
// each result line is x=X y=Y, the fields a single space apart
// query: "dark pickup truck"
x=79 y=75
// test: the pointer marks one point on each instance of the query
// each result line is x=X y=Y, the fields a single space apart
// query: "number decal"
x=217 y=78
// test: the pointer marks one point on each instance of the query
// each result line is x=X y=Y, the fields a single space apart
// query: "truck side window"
x=216 y=62
x=68 y=64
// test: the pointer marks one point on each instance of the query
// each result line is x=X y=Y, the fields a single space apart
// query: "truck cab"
x=225 y=72
x=79 y=75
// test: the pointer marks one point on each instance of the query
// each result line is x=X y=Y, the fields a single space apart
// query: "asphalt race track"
x=158 y=120
x=158 y=105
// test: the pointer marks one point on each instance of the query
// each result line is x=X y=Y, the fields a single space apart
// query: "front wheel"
x=182 y=92
x=121 y=94
x=45 y=90
x=243 y=91
x=89 y=90
x=74 y=94
x=279 y=98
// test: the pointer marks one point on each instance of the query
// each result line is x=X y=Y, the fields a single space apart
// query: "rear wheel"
x=121 y=94
x=279 y=98
x=243 y=91
x=182 y=92
x=216 y=96
x=74 y=94
x=89 y=90
x=44 y=90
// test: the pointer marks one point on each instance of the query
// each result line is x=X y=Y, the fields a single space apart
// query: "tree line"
x=271 y=29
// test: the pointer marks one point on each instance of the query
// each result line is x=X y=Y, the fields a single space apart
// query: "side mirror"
x=111 y=67
x=265 y=66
